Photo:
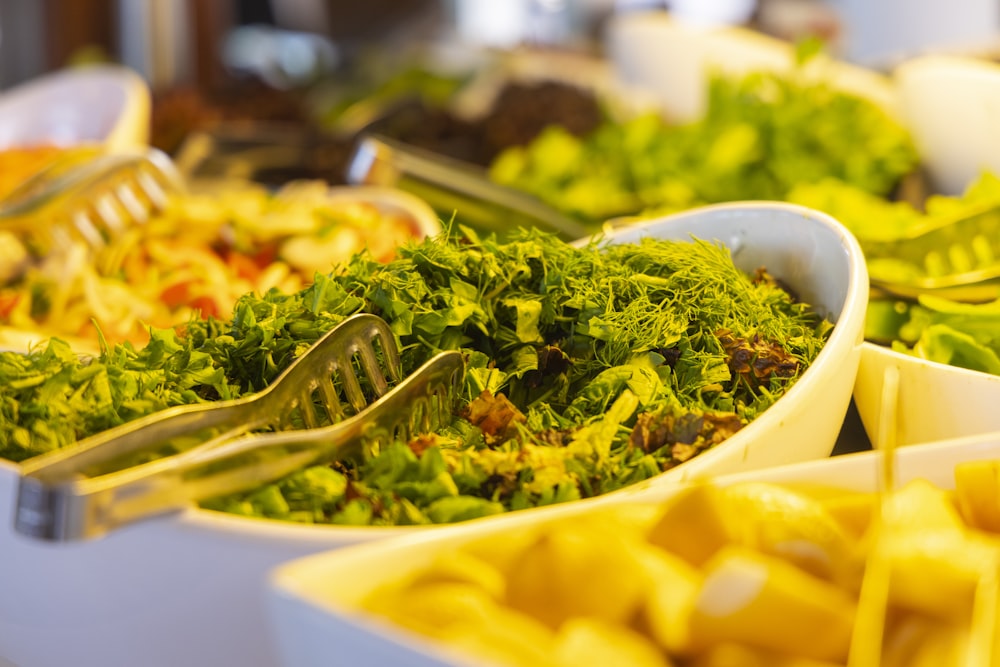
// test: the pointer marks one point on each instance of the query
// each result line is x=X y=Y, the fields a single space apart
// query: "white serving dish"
x=674 y=59
x=190 y=588
x=94 y=104
x=934 y=401
x=950 y=104
x=314 y=602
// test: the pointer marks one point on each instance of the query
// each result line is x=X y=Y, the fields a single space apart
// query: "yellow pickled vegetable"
x=765 y=602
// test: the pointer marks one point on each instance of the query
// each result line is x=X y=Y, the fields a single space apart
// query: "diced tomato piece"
x=8 y=300
x=245 y=267
x=266 y=255
x=207 y=306
x=176 y=295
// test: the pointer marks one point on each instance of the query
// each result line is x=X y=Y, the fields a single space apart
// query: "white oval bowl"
x=102 y=104
x=951 y=105
x=314 y=602
x=189 y=588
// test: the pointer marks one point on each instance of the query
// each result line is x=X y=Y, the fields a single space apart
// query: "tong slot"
x=95 y=199
x=92 y=487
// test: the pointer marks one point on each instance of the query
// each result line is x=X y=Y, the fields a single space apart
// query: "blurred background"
x=194 y=42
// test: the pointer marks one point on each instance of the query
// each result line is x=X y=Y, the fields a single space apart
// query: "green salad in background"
x=931 y=327
x=761 y=135
x=588 y=369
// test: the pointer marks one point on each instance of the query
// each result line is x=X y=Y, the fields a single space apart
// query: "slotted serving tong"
x=452 y=185
x=104 y=481
x=91 y=196
x=956 y=257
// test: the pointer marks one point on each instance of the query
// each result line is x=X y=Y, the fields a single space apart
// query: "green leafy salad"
x=931 y=327
x=760 y=136
x=588 y=369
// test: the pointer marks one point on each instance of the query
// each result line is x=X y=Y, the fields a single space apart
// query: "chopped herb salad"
x=588 y=369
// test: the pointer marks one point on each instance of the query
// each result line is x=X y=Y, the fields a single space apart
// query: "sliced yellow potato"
x=765 y=602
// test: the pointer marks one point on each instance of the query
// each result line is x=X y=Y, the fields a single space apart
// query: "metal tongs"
x=91 y=196
x=955 y=257
x=451 y=185
x=135 y=470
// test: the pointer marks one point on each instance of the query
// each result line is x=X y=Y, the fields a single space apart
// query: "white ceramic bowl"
x=934 y=401
x=951 y=105
x=673 y=59
x=314 y=602
x=190 y=588
x=95 y=104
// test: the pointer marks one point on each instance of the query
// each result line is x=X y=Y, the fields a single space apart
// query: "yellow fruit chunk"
x=937 y=572
x=461 y=567
x=693 y=524
x=465 y=617
x=766 y=603
x=667 y=611
x=591 y=641
x=589 y=567
x=853 y=511
x=920 y=506
x=766 y=517
x=738 y=655
x=916 y=641
x=509 y=638
x=977 y=488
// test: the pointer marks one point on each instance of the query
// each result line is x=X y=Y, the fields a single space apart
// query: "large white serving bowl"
x=93 y=104
x=823 y=264
x=933 y=402
x=189 y=588
x=951 y=104
x=315 y=602
x=674 y=59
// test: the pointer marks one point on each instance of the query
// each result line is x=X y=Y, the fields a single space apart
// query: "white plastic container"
x=934 y=401
x=314 y=602
x=189 y=589
x=950 y=104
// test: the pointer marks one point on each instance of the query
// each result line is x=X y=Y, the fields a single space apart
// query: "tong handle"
x=86 y=507
x=451 y=185
x=89 y=507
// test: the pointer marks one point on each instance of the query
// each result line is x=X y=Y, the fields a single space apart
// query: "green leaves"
x=761 y=135
x=581 y=341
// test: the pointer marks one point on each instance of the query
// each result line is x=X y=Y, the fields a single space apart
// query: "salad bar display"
x=609 y=482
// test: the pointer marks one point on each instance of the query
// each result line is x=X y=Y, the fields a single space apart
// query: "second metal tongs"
x=956 y=257
x=139 y=469
x=453 y=186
